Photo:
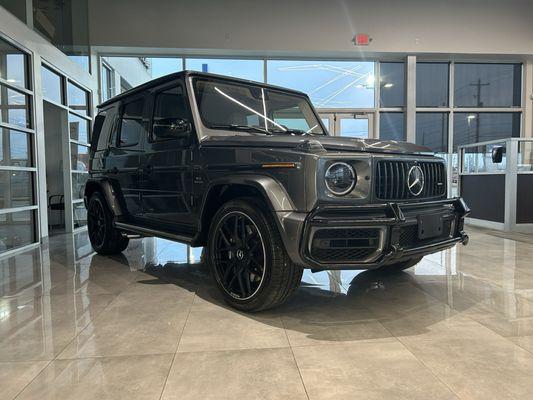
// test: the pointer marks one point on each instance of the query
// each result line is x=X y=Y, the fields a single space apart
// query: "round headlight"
x=340 y=178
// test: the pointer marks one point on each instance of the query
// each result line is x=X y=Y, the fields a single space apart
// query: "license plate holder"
x=429 y=226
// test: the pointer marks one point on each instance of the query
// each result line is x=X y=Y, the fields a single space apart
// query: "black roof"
x=179 y=75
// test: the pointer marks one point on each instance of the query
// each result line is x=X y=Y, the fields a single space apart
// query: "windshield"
x=227 y=105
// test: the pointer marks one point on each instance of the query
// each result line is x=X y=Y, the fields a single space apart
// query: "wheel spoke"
x=238 y=255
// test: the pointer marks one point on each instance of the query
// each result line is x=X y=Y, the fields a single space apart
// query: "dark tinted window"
x=392 y=126
x=487 y=85
x=432 y=131
x=392 y=84
x=132 y=124
x=432 y=84
x=479 y=127
x=107 y=119
x=170 y=104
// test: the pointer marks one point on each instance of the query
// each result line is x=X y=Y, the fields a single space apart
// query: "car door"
x=166 y=167
x=124 y=156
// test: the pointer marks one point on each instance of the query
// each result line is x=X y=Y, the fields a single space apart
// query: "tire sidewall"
x=97 y=197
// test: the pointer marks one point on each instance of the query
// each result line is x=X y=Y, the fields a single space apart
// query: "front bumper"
x=375 y=235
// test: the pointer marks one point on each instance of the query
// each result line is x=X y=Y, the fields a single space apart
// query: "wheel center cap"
x=239 y=254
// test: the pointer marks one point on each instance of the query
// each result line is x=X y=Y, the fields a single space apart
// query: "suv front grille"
x=391 y=180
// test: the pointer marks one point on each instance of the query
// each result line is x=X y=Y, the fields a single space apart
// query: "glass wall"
x=432 y=131
x=79 y=133
x=244 y=69
x=392 y=126
x=392 y=84
x=488 y=85
x=18 y=202
x=432 y=84
x=329 y=84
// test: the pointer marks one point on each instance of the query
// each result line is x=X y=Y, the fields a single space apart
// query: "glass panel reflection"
x=479 y=127
x=16 y=229
x=392 y=84
x=77 y=98
x=329 y=84
x=79 y=179
x=13 y=65
x=392 y=126
x=16 y=189
x=78 y=128
x=52 y=88
x=15 y=148
x=432 y=84
x=80 y=214
x=488 y=85
x=79 y=157
x=352 y=127
x=14 y=107
x=432 y=131
x=245 y=69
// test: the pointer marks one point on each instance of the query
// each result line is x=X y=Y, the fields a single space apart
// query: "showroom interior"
x=455 y=76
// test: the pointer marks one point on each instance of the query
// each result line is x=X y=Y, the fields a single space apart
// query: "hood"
x=316 y=144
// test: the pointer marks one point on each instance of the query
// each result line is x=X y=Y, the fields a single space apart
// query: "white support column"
x=510 y=185
x=410 y=103
x=527 y=100
x=40 y=156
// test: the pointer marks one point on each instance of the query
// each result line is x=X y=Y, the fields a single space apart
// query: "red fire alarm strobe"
x=361 y=39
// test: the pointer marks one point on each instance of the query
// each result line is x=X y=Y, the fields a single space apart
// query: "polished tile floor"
x=150 y=325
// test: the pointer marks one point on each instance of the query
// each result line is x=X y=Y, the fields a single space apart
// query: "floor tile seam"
x=295 y=361
x=177 y=346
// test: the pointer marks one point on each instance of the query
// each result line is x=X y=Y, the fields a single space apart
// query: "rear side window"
x=131 y=126
x=103 y=126
x=170 y=105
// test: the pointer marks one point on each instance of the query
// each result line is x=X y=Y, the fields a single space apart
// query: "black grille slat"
x=391 y=179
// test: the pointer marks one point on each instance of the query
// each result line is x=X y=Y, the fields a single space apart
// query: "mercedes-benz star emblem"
x=415 y=180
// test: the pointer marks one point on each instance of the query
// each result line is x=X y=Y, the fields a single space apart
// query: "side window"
x=103 y=124
x=170 y=106
x=131 y=126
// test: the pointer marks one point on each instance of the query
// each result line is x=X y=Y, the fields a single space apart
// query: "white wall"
x=322 y=27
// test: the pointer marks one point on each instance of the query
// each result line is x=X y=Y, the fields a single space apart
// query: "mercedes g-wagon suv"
x=249 y=171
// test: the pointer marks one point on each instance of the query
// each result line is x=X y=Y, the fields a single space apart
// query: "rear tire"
x=105 y=238
x=401 y=265
x=247 y=258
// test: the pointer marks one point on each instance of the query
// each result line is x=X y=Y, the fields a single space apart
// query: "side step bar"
x=152 y=232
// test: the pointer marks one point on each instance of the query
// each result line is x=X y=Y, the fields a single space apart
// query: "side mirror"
x=497 y=154
x=172 y=128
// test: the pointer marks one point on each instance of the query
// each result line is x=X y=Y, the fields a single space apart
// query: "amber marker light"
x=279 y=165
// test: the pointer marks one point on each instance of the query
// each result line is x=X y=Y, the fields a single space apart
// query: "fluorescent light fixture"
x=388 y=85
x=471 y=117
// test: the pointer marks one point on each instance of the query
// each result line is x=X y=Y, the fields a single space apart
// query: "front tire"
x=247 y=258
x=105 y=238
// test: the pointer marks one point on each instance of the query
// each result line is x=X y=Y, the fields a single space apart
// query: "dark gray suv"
x=248 y=171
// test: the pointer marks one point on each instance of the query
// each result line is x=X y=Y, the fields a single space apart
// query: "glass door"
x=356 y=125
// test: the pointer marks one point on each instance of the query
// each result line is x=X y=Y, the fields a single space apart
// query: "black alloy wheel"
x=96 y=223
x=247 y=257
x=239 y=255
x=104 y=237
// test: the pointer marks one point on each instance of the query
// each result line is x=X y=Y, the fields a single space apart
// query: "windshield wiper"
x=291 y=131
x=246 y=128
